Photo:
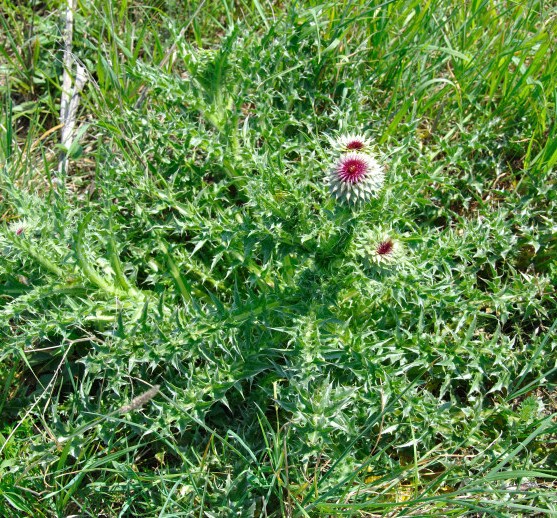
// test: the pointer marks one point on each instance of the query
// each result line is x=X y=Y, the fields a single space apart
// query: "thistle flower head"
x=356 y=177
x=380 y=248
x=349 y=143
x=19 y=227
x=385 y=250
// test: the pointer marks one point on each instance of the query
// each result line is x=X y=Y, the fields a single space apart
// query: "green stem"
x=46 y=263
x=183 y=287
x=83 y=263
x=117 y=267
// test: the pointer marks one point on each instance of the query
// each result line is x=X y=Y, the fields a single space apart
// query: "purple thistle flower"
x=385 y=248
x=355 y=178
x=353 y=143
x=19 y=227
x=380 y=248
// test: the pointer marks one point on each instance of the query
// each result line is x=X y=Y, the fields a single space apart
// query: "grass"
x=192 y=326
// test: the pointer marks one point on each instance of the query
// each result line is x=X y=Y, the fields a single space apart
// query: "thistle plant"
x=186 y=329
